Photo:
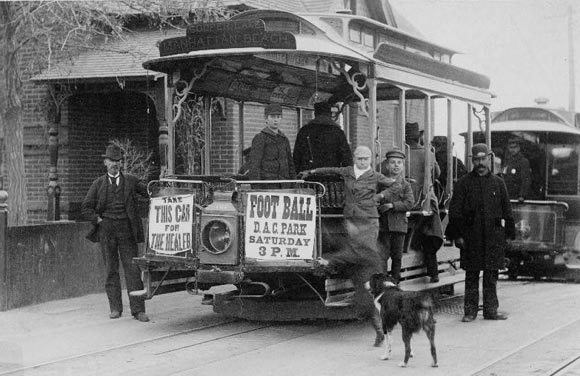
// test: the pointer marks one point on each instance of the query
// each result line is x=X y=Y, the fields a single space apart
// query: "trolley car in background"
x=251 y=246
x=548 y=220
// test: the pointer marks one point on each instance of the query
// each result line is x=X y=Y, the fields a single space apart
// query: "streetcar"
x=250 y=247
x=548 y=219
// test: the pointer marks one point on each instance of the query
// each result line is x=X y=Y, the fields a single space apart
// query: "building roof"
x=120 y=58
x=124 y=58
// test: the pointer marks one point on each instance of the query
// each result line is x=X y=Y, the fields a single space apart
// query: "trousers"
x=118 y=244
x=471 y=298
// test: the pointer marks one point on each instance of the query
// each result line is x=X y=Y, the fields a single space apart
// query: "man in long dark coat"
x=321 y=142
x=516 y=172
x=480 y=219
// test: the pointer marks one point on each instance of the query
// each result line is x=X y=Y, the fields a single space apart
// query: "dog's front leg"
x=388 y=346
x=407 y=340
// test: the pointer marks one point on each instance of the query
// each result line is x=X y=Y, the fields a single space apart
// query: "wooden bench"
x=413 y=276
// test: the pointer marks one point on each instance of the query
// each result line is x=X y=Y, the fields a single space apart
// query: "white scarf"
x=358 y=172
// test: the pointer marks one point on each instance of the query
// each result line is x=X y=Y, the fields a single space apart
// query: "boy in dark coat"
x=394 y=207
x=270 y=154
x=480 y=220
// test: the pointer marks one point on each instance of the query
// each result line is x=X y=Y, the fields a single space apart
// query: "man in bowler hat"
x=480 y=220
x=111 y=206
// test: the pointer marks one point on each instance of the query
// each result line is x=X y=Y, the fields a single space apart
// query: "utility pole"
x=571 y=74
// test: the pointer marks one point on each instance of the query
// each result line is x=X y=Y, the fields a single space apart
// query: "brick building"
x=107 y=95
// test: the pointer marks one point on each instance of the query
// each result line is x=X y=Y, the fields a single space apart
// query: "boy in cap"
x=359 y=255
x=270 y=153
x=398 y=199
x=480 y=220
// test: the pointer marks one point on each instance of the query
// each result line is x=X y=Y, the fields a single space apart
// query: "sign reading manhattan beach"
x=280 y=226
x=227 y=34
x=170 y=224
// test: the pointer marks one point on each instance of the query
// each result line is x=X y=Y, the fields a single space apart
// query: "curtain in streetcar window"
x=563 y=169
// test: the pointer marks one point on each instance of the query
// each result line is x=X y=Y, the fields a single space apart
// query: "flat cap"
x=479 y=151
x=395 y=153
x=273 y=109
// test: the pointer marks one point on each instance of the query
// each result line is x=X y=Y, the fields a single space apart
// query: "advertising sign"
x=280 y=226
x=170 y=224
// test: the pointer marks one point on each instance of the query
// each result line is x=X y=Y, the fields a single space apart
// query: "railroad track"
x=569 y=368
x=162 y=349
x=104 y=351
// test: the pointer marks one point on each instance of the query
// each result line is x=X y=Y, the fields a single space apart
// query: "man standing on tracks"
x=480 y=220
x=111 y=206
x=516 y=172
x=321 y=142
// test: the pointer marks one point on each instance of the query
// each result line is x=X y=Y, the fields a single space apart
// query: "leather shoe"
x=497 y=316
x=468 y=318
x=114 y=314
x=141 y=316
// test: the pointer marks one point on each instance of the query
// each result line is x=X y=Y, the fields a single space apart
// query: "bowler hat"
x=479 y=151
x=395 y=153
x=273 y=109
x=113 y=153
x=322 y=108
x=412 y=130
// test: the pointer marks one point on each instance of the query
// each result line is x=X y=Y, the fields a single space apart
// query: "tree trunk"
x=11 y=119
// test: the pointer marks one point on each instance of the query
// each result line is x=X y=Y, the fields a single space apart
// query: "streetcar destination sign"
x=171 y=223
x=225 y=35
x=280 y=226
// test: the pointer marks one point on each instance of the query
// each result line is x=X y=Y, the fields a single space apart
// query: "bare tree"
x=37 y=34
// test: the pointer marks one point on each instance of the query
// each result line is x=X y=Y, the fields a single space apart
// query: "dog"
x=413 y=310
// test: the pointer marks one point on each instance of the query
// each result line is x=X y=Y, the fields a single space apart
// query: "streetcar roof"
x=533 y=126
x=305 y=45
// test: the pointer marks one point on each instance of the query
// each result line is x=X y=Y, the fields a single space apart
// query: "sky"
x=521 y=45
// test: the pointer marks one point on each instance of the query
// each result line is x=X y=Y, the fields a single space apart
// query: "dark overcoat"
x=95 y=203
x=481 y=214
x=271 y=157
x=321 y=143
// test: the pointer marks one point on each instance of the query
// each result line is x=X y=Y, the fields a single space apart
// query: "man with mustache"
x=480 y=220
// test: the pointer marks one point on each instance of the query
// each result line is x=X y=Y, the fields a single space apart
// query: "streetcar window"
x=563 y=169
x=282 y=25
x=355 y=33
x=368 y=38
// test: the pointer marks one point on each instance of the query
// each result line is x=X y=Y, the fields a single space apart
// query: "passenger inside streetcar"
x=416 y=161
